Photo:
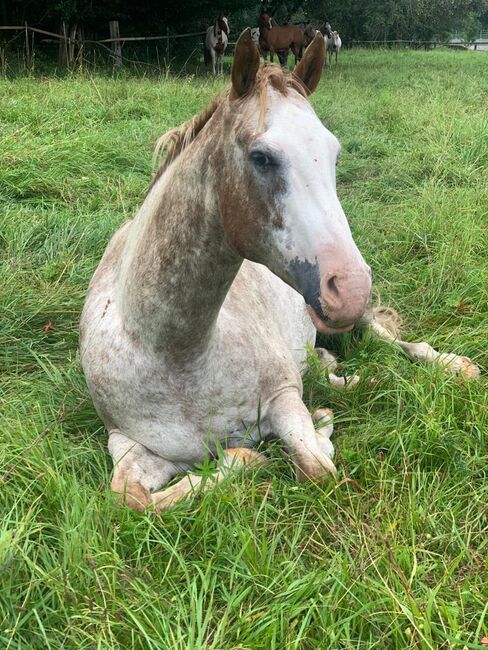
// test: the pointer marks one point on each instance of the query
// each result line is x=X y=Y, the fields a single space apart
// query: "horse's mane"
x=178 y=139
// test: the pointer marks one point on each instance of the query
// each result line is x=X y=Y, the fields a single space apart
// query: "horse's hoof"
x=459 y=366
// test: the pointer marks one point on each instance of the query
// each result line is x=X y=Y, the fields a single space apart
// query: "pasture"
x=393 y=555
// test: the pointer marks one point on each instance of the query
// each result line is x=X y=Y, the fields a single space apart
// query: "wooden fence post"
x=63 y=45
x=116 y=47
x=27 y=47
x=72 y=43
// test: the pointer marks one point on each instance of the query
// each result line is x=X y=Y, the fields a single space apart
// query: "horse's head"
x=265 y=20
x=223 y=24
x=308 y=34
x=277 y=192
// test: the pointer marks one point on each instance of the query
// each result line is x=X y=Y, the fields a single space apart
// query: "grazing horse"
x=194 y=328
x=279 y=37
x=216 y=41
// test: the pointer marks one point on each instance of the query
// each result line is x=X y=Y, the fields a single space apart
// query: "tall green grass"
x=392 y=556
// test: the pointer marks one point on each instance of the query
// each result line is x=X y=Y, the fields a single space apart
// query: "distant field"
x=395 y=554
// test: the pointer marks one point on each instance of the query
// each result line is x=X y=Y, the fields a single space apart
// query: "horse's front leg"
x=311 y=450
x=271 y=55
x=297 y=52
x=328 y=361
x=385 y=322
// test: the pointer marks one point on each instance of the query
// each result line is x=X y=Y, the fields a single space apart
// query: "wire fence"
x=76 y=50
x=156 y=53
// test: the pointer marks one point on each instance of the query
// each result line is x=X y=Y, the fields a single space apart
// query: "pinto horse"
x=196 y=321
x=216 y=40
x=279 y=37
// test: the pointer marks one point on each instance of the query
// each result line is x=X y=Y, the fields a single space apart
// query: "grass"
x=392 y=556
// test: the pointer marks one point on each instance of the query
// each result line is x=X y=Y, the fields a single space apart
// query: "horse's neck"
x=176 y=267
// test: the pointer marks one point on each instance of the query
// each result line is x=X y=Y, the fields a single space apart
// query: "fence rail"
x=71 y=46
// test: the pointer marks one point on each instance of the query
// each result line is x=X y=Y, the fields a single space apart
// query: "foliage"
x=470 y=28
x=396 y=19
x=369 y=19
x=394 y=554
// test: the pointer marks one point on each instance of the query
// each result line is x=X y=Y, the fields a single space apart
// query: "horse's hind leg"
x=232 y=459
x=137 y=471
x=139 y=474
x=385 y=322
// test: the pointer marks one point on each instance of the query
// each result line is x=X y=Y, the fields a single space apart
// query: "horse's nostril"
x=332 y=285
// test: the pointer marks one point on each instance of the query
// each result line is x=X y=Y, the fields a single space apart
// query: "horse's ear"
x=245 y=66
x=309 y=70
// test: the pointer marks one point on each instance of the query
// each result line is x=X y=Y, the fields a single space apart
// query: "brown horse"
x=279 y=37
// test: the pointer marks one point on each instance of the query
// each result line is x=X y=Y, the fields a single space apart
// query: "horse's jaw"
x=322 y=327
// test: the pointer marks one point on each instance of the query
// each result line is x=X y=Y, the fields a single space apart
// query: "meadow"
x=392 y=555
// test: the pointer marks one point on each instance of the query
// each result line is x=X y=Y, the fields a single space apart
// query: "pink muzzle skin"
x=344 y=296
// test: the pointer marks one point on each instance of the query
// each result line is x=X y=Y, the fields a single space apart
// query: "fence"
x=481 y=44
x=74 y=47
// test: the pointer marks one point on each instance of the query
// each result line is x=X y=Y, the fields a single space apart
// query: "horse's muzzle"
x=337 y=297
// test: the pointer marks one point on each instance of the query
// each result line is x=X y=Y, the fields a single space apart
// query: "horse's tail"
x=206 y=54
x=387 y=317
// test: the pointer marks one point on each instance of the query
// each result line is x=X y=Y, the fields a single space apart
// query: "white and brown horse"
x=197 y=318
x=216 y=40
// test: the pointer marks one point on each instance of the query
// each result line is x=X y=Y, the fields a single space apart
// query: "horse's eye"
x=262 y=160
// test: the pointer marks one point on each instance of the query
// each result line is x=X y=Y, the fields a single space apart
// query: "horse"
x=282 y=54
x=216 y=40
x=332 y=40
x=255 y=35
x=195 y=324
x=308 y=33
x=274 y=37
x=333 y=45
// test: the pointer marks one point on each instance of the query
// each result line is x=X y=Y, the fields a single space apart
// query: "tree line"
x=355 y=20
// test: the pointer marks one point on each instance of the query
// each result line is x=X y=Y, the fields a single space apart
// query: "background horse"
x=274 y=37
x=216 y=41
x=308 y=33
x=333 y=45
x=332 y=41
